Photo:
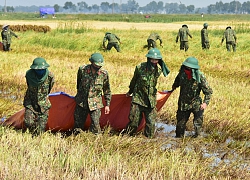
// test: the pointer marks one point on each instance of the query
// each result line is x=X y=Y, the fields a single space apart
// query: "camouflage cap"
x=184 y=25
x=39 y=63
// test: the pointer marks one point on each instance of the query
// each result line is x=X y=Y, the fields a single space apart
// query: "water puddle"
x=220 y=155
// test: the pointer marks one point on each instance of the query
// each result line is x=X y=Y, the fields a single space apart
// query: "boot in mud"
x=179 y=132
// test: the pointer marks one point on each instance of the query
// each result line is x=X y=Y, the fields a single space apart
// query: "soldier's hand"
x=203 y=106
x=107 y=110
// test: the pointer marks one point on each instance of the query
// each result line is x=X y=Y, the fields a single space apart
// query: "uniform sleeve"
x=159 y=37
x=189 y=33
x=79 y=77
x=13 y=34
x=206 y=89
x=235 y=37
x=117 y=38
x=106 y=90
x=176 y=81
x=223 y=37
x=104 y=40
x=52 y=81
x=133 y=80
x=178 y=35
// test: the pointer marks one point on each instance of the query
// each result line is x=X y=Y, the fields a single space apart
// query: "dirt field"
x=122 y=25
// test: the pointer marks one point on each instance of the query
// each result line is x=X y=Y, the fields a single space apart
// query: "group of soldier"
x=229 y=35
x=93 y=83
x=114 y=41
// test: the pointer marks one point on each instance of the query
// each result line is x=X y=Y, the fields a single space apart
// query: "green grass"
x=159 y=18
x=110 y=156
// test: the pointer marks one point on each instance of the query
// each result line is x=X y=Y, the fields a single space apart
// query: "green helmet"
x=154 y=53
x=39 y=63
x=97 y=59
x=205 y=24
x=191 y=62
x=107 y=33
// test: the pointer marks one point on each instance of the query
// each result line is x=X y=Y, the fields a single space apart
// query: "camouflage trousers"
x=205 y=45
x=36 y=121
x=135 y=117
x=115 y=45
x=80 y=116
x=182 y=119
x=229 y=44
x=184 y=45
x=151 y=43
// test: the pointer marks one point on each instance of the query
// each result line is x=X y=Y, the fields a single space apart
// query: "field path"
x=194 y=25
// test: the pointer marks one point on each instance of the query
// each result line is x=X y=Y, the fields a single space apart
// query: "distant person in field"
x=143 y=90
x=36 y=100
x=113 y=41
x=152 y=40
x=92 y=83
x=231 y=39
x=183 y=34
x=191 y=82
x=204 y=37
x=7 y=34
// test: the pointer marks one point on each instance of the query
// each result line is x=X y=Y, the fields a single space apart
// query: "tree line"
x=133 y=7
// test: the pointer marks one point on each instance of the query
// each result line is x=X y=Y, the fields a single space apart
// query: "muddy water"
x=220 y=154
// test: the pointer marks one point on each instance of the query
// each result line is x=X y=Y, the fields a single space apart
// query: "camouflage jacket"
x=6 y=36
x=155 y=36
x=143 y=85
x=90 y=87
x=37 y=98
x=183 y=34
x=230 y=36
x=190 y=91
x=112 y=38
x=204 y=36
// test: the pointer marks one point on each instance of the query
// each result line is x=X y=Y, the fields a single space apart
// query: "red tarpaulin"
x=61 y=114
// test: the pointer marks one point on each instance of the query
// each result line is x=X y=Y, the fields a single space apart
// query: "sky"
x=196 y=3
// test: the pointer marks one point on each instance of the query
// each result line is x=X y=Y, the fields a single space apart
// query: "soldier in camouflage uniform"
x=143 y=87
x=204 y=37
x=183 y=34
x=231 y=39
x=6 y=37
x=191 y=82
x=36 y=101
x=112 y=41
x=152 y=40
x=92 y=80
